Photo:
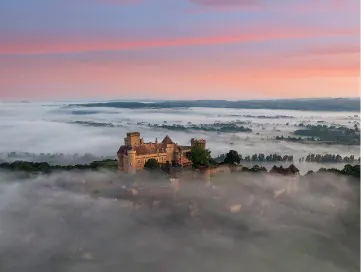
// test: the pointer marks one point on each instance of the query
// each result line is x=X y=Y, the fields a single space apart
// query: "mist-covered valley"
x=69 y=133
x=76 y=221
x=53 y=223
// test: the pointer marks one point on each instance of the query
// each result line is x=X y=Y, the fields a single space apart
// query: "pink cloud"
x=122 y=2
x=193 y=77
x=289 y=6
x=46 y=45
x=335 y=49
x=226 y=2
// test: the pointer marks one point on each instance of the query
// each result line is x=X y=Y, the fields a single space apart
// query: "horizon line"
x=140 y=100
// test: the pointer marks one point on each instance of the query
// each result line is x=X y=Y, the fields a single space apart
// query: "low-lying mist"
x=56 y=128
x=52 y=223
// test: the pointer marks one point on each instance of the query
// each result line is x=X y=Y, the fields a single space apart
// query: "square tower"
x=133 y=139
x=198 y=142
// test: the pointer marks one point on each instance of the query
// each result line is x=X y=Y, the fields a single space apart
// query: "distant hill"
x=317 y=104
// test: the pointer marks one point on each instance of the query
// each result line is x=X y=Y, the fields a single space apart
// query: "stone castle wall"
x=135 y=153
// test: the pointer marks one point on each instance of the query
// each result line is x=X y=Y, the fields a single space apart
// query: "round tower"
x=132 y=167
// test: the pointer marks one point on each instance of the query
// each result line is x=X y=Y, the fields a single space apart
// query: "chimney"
x=156 y=140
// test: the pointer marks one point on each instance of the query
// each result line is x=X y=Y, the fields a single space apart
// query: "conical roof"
x=167 y=140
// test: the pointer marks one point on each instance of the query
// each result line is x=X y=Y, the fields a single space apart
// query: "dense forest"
x=52 y=158
x=44 y=167
x=331 y=134
x=259 y=158
x=216 y=127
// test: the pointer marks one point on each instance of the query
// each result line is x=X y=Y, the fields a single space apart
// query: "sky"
x=179 y=49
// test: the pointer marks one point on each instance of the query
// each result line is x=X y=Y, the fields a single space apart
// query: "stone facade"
x=135 y=152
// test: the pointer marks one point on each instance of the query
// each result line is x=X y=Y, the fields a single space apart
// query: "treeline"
x=329 y=158
x=327 y=104
x=93 y=124
x=296 y=139
x=52 y=158
x=332 y=134
x=348 y=170
x=269 y=117
x=216 y=127
x=44 y=167
x=257 y=158
x=332 y=158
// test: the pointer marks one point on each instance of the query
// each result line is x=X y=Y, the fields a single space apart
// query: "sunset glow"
x=187 y=49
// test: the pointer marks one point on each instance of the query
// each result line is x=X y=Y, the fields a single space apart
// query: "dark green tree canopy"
x=232 y=157
x=200 y=157
x=151 y=164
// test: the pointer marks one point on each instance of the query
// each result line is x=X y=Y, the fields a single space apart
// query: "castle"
x=135 y=152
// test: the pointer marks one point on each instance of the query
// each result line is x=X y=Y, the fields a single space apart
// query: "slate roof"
x=184 y=147
x=167 y=140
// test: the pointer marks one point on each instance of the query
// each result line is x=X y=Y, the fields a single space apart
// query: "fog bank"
x=44 y=227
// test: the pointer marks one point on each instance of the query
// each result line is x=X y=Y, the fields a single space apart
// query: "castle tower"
x=198 y=142
x=177 y=157
x=120 y=162
x=131 y=167
x=133 y=138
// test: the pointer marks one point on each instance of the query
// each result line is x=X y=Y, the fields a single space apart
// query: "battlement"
x=198 y=142
x=130 y=134
x=132 y=139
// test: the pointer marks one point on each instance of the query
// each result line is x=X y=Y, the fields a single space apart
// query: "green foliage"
x=232 y=157
x=228 y=127
x=329 y=158
x=255 y=169
x=44 y=167
x=106 y=164
x=257 y=158
x=332 y=134
x=296 y=139
x=151 y=164
x=92 y=124
x=348 y=170
x=200 y=157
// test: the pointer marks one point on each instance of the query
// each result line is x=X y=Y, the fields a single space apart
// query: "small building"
x=135 y=152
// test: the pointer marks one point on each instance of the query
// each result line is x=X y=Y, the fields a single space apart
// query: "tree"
x=200 y=156
x=232 y=157
x=151 y=164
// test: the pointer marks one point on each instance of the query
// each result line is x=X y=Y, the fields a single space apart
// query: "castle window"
x=138 y=161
